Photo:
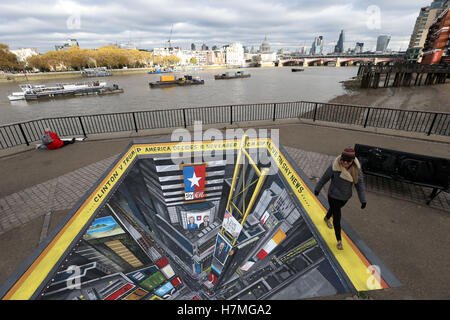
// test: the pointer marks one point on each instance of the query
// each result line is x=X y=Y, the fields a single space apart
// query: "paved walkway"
x=60 y=193
x=63 y=192
x=314 y=164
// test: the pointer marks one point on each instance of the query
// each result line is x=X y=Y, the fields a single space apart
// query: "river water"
x=319 y=84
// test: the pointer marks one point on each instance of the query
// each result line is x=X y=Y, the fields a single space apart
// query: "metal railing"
x=24 y=133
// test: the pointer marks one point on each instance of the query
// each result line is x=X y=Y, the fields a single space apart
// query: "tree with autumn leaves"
x=8 y=60
x=110 y=56
x=75 y=58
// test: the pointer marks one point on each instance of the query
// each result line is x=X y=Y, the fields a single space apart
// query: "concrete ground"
x=411 y=238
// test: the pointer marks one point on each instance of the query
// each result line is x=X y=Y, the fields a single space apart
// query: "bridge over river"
x=338 y=60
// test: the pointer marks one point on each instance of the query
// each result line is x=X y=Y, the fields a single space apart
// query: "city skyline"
x=287 y=24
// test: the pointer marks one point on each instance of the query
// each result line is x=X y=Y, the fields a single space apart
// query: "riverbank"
x=430 y=98
x=11 y=78
x=26 y=77
x=8 y=78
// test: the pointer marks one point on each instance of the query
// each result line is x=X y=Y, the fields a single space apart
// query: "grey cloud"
x=43 y=24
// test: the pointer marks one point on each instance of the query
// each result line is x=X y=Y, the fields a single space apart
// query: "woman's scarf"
x=351 y=174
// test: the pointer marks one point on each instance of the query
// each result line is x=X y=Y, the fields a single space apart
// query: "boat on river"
x=17 y=96
x=96 y=72
x=164 y=70
x=157 y=71
x=40 y=91
x=232 y=75
x=297 y=69
x=171 y=81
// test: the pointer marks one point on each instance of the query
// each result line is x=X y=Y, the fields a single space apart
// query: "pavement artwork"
x=204 y=220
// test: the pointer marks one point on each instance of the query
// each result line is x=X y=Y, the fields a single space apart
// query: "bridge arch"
x=358 y=62
x=292 y=62
x=313 y=62
x=330 y=62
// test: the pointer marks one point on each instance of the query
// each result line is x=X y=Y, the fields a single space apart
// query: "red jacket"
x=57 y=143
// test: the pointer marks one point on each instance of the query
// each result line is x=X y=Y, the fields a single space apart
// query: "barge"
x=171 y=81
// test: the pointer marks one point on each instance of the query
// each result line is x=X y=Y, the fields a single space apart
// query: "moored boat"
x=96 y=72
x=297 y=69
x=232 y=75
x=16 y=96
x=34 y=92
x=171 y=81
x=156 y=71
x=164 y=70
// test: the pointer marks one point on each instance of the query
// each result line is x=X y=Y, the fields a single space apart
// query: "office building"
x=234 y=54
x=420 y=32
x=339 y=48
x=382 y=43
x=359 y=47
x=67 y=44
x=317 y=46
x=436 y=46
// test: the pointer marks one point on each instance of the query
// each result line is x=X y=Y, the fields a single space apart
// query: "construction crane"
x=170 y=36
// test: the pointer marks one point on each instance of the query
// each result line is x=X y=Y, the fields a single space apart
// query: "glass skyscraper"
x=339 y=48
x=382 y=43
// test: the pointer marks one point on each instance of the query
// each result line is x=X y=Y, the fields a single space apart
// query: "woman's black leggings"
x=335 y=211
x=66 y=142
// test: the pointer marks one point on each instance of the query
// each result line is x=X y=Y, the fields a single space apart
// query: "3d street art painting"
x=215 y=229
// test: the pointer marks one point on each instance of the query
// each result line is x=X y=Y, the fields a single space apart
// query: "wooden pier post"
x=405 y=75
x=386 y=79
x=376 y=80
x=365 y=80
x=417 y=78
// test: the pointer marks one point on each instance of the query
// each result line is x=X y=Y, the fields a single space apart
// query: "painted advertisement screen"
x=103 y=227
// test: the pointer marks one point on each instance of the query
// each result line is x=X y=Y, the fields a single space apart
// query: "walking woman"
x=344 y=172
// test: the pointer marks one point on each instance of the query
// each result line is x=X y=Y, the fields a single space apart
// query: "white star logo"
x=194 y=180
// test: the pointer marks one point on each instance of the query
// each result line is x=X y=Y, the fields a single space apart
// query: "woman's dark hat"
x=348 y=154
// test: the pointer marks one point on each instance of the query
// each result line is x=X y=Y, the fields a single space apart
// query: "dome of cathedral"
x=265 y=46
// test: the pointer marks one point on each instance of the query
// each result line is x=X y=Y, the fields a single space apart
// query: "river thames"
x=270 y=84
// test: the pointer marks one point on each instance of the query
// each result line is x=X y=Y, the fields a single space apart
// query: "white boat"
x=20 y=95
x=96 y=72
x=16 y=96
x=30 y=91
x=83 y=85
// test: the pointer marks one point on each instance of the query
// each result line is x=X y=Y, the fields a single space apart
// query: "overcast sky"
x=288 y=24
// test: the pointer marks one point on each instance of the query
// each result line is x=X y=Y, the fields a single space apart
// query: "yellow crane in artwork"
x=241 y=213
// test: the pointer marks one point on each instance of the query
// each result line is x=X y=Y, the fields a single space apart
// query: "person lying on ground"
x=52 y=141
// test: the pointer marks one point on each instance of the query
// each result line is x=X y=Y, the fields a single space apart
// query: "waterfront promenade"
x=39 y=187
